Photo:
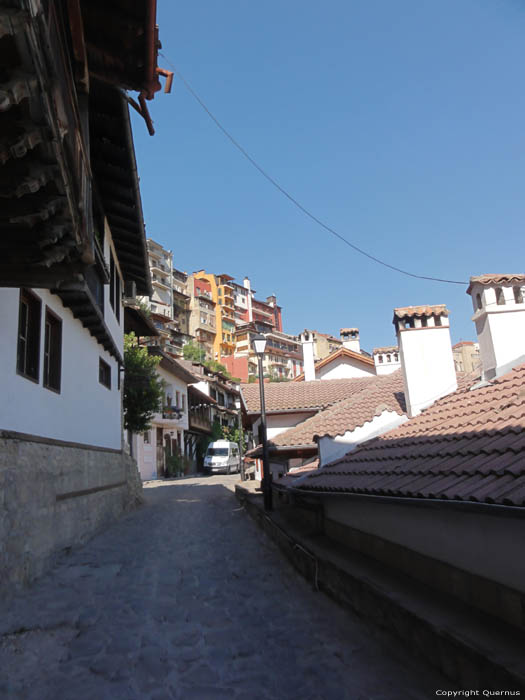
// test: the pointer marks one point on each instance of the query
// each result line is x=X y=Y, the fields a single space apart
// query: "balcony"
x=154 y=265
x=162 y=283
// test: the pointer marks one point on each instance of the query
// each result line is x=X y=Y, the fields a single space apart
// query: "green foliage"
x=176 y=465
x=252 y=379
x=143 y=388
x=193 y=352
x=235 y=435
x=216 y=430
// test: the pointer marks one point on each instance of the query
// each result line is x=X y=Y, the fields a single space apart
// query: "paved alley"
x=186 y=599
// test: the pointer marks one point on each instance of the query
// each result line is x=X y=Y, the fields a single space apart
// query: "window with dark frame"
x=28 y=347
x=52 y=351
x=104 y=373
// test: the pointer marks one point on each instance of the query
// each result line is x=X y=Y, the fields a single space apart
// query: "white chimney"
x=350 y=338
x=423 y=335
x=386 y=360
x=499 y=315
x=307 y=341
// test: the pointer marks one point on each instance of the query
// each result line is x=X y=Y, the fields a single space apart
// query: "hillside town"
x=197 y=498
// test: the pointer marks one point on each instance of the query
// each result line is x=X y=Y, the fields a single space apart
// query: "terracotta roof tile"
x=488 y=279
x=469 y=446
x=291 y=477
x=389 y=348
x=292 y=396
x=410 y=311
x=378 y=395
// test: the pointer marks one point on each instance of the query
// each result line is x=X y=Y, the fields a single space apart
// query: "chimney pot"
x=499 y=305
x=426 y=354
x=307 y=343
x=350 y=338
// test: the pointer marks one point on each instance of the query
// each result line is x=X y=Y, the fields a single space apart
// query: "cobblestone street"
x=186 y=598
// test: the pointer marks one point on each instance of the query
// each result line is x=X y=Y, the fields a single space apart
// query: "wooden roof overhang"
x=45 y=194
x=116 y=181
x=138 y=322
x=122 y=43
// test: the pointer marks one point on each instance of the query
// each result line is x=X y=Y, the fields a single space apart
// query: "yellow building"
x=223 y=296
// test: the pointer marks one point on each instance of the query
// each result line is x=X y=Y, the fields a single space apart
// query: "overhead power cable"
x=288 y=195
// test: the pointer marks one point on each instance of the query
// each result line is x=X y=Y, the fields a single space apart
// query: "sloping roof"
x=291 y=396
x=468 y=446
x=291 y=477
x=336 y=355
x=488 y=278
x=171 y=365
x=383 y=393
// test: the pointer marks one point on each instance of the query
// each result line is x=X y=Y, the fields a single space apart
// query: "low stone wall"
x=55 y=496
x=472 y=650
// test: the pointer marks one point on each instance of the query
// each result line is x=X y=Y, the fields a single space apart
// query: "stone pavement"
x=186 y=599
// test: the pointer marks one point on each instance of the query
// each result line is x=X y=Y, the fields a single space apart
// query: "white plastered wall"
x=332 y=448
x=489 y=546
x=279 y=422
x=428 y=365
x=500 y=328
x=85 y=411
x=345 y=368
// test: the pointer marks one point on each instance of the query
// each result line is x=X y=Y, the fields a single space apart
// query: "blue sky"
x=402 y=125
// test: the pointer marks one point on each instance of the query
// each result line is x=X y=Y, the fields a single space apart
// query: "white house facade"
x=72 y=241
x=168 y=427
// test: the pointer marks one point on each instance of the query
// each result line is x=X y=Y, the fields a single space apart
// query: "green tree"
x=235 y=435
x=192 y=351
x=143 y=388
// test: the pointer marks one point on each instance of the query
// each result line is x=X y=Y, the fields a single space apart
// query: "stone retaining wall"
x=54 y=496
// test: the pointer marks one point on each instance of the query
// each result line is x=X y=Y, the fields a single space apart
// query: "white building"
x=161 y=267
x=344 y=363
x=73 y=238
x=166 y=436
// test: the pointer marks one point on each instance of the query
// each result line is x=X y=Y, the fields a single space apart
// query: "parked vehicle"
x=222 y=456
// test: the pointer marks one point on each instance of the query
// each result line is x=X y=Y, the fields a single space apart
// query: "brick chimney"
x=350 y=338
x=425 y=349
x=307 y=341
x=499 y=315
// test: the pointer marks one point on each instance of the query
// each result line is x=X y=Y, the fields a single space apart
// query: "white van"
x=222 y=456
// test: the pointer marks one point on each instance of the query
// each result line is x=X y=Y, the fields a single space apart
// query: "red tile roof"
x=462 y=343
x=468 y=446
x=410 y=311
x=488 y=278
x=292 y=396
x=389 y=348
x=381 y=394
x=291 y=477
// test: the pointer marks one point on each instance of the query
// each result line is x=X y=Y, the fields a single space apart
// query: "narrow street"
x=186 y=598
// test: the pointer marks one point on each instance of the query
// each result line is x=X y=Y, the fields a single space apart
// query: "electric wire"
x=289 y=196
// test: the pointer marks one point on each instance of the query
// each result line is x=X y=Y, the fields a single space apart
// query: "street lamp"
x=259 y=346
x=239 y=427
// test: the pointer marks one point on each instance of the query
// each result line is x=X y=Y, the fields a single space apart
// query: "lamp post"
x=259 y=346
x=239 y=427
